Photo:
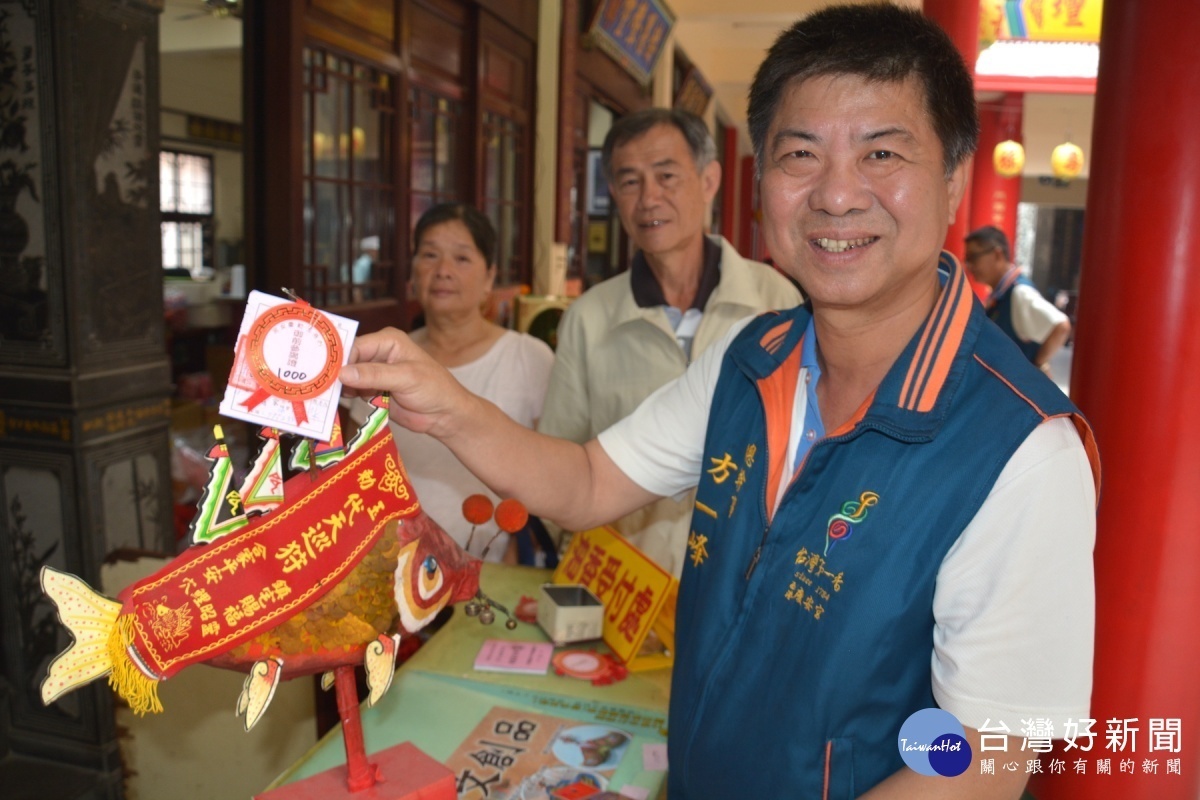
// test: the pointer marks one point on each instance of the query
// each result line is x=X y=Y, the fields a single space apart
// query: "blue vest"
x=1000 y=312
x=804 y=640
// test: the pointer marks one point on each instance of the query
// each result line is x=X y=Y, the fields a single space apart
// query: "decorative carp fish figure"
x=342 y=564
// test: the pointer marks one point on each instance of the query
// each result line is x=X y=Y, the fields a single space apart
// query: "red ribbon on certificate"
x=260 y=394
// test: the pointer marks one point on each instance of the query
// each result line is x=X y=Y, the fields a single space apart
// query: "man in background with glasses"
x=1015 y=304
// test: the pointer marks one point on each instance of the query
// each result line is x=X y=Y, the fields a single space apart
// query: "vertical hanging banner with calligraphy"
x=638 y=595
x=285 y=372
x=633 y=33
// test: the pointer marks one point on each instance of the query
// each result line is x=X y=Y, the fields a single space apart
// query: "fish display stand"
x=320 y=572
x=401 y=772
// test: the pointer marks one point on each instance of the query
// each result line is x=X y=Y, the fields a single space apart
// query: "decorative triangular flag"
x=377 y=420
x=220 y=507
x=262 y=489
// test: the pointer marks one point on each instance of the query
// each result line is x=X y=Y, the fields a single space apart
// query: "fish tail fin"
x=91 y=619
x=99 y=647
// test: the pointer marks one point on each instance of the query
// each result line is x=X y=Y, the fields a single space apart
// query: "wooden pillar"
x=568 y=49
x=84 y=377
x=1136 y=375
x=960 y=20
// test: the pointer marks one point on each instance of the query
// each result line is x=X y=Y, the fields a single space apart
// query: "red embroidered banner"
x=214 y=597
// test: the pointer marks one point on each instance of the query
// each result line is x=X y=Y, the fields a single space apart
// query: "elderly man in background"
x=639 y=330
x=1015 y=304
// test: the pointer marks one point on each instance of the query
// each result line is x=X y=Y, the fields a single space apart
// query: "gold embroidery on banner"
x=170 y=625
x=393 y=480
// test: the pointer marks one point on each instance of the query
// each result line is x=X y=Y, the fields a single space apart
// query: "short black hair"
x=992 y=237
x=480 y=227
x=631 y=126
x=878 y=42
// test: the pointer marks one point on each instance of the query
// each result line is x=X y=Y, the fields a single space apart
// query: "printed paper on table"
x=522 y=755
x=285 y=371
x=502 y=655
x=638 y=595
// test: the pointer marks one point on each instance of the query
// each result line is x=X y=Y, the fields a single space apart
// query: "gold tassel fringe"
x=126 y=679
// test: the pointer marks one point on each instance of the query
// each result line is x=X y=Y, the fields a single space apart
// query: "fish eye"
x=431 y=565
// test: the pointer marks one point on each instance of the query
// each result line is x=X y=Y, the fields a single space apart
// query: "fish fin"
x=380 y=666
x=259 y=690
x=243 y=701
x=91 y=619
x=326 y=681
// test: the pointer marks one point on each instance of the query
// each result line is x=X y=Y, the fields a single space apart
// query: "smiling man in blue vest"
x=861 y=555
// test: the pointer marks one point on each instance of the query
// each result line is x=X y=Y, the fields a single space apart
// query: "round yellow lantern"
x=1066 y=161
x=1008 y=158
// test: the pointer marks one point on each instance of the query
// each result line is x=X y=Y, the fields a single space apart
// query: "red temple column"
x=748 y=201
x=960 y=20
x=994 y=198
x=729 y=184
x=1136 y=376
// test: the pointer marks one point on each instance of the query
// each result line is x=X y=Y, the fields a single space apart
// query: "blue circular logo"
x=933 y=742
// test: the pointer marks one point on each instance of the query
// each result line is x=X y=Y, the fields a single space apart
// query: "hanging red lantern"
x=1067 y=161
x=1008 y=158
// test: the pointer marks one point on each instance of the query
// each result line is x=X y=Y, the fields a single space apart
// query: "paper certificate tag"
x=285 y=371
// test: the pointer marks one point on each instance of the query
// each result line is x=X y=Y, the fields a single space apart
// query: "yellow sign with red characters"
x=1040 y=20
x=638 y=595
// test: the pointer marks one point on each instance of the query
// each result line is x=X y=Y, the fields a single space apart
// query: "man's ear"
x=956 y=186
x=710 y=180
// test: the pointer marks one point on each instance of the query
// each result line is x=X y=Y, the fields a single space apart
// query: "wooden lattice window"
x=349 y=180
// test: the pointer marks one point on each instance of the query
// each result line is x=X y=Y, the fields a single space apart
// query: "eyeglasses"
x=971 y=258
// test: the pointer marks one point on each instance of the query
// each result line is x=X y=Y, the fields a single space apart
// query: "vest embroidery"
x=841 y=526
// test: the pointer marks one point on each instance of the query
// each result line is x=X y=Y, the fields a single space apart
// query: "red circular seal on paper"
x=292 y=352
x=293 y=334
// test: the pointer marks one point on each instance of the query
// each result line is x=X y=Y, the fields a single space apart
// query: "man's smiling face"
x=660 y=196
x=856 y=200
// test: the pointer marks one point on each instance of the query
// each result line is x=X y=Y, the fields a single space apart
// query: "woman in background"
x=453 y=269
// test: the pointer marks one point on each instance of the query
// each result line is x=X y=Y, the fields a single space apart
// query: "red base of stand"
x=403 y=773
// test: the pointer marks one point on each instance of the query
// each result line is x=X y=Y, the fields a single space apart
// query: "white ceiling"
x=192 y=25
